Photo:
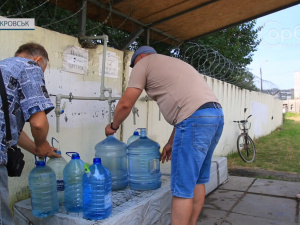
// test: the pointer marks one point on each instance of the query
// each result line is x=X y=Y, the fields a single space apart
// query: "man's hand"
x=45 y=149
x=123 y=109
x=166 y=153
x=109 y=131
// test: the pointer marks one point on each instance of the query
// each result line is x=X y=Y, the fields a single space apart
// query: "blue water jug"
x=42 y=185
x=58 y=165
x=143 y=163
x=97 y=200
x=73 y=173
x=113 y=154
x=133 y=137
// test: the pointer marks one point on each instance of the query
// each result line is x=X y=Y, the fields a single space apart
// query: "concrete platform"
x=129 y=207
x=248 y=201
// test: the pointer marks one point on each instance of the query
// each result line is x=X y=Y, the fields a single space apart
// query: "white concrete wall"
x=82 y=125
x=292 y=105
x=297 y=85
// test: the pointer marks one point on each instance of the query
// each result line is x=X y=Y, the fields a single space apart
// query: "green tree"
x=236 y=43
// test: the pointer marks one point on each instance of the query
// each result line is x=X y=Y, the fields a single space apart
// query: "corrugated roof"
x=175 y=21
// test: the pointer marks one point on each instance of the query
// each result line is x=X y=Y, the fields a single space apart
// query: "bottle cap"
x=97 y=160
x=75 y=156
x=136 y=133
x=40 y=163
x=58 y=152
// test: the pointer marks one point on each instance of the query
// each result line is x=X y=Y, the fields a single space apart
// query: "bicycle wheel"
x=246 y=148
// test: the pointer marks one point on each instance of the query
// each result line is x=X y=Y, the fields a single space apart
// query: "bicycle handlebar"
x=242 y=121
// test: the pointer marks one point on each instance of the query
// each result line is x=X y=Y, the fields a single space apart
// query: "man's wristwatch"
x=111 y=127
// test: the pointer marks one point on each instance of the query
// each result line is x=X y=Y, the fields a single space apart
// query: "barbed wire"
x=3 y=4
x=22 y=13
x=66 y=17
x=210 y=62
x=55 y=11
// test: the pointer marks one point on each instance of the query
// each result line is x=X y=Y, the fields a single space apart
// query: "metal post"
x=147 y=36
x=261 y=86
x=82 y=20
x=261 y=80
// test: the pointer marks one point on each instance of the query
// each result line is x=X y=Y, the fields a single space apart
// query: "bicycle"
x=245 y=144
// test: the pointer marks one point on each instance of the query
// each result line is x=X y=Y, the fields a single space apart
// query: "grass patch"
x=279 y=151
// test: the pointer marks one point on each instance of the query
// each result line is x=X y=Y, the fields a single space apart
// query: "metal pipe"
x=57 y=111
x=146 y=98
x=105 y=40
x=103 y=89
x=70 y=97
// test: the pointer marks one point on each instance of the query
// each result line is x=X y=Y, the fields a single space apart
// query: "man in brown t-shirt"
x=188 y=103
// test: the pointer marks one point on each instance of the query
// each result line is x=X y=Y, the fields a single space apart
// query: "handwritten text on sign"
x=111 y=64
x=75 y=60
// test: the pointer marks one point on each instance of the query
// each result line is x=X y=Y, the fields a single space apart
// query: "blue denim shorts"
x=194 y=143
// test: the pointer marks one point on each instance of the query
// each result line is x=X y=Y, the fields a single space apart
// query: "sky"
x=278 y=54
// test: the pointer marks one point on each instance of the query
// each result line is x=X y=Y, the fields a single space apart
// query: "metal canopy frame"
x=172 y=21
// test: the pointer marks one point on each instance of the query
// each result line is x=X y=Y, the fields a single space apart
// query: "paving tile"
x=270 y=207
x=240 y=219
x=275 y=187
x=211 y=216
x=237 y=183
x=222 y=199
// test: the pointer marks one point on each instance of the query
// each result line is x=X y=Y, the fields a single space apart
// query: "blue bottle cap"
x=58 y=152
x=75 y=156
x=97 y=160
x=40 y=163
x=136 y=133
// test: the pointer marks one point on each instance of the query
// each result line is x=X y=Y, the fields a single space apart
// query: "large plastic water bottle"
x=58 y=165
x=113 y=154
x=133 y=137
x=143 y=163
x=73 y=173
x=97 y=200
x=42 y=185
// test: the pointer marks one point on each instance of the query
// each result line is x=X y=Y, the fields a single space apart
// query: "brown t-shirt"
x=176 y=86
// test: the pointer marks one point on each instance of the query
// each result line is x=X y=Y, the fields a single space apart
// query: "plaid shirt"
x=27 y=95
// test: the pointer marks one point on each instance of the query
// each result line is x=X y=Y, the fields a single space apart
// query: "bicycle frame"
x=247 y=145
x=244 y=125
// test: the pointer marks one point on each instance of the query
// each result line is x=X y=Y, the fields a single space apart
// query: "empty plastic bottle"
x=42 y=185
x=133 y=137
x=143 y=163
x=97 y=200
x=58 y=165
x=73 y=173
x=113 y=154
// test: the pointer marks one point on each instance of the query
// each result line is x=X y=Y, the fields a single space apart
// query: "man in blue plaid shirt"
x=28 y=101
